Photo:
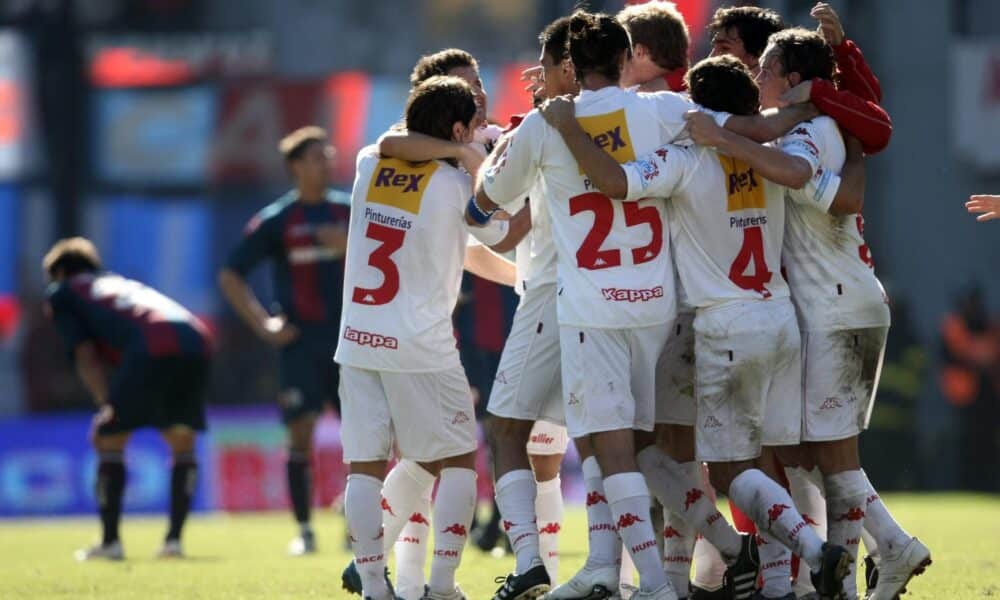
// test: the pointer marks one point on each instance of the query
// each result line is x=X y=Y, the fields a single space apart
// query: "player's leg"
x=805 y=484
x=109 y=490
x=546 y=450
x=411 y=550
x=183 y=482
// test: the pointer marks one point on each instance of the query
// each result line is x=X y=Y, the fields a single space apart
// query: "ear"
x=639 y=51
x=457 y=131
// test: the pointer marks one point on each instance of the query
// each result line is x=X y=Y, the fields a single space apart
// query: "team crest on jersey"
x=610 y=132
x=744 y=187
x=399 y=183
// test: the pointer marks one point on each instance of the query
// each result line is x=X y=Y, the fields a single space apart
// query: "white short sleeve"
x=670 y=108
x=802 y=141
x=512 y=168
x=820 y=190
x=660 y=174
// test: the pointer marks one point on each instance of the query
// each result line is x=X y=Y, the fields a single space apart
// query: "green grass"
x=243 y=556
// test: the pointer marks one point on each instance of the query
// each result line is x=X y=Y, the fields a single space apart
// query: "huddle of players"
x=785 y=367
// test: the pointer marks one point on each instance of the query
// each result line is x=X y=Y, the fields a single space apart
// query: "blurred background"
x=151 y=126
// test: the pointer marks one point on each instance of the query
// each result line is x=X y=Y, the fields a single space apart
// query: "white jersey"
x=405 y=250
x=613 y=258
x=726 y=222
x=828 y=264
x=536 y=254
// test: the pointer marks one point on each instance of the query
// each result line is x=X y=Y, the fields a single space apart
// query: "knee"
x=300 y=434
x=546 y=467
x=510 y=431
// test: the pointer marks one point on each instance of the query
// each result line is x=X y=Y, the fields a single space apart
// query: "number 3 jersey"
x=726 y=222
x=405 y=254
x=829 y=268
x=613 y=257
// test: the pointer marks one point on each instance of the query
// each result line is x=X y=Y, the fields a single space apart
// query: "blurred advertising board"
x=19 y=156
x=976 y=102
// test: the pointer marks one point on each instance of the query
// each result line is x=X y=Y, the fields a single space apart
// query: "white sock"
x=515 y=494
x=678 y=549
x=411 y=551
x=605 y=547
x=361 y=505
x=871 y=546
x=549 y=509
x=890 y=538
x=847 y=492
x=775 y=566
x=807 y=491
x=626 y=572
x=709 y=568
x=453 y=508
x=405 y=485
x=678 y=487
x=628 y=498
x=772 y=509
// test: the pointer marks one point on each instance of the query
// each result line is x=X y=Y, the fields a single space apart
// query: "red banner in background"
x=512 y=99
x=347 y=96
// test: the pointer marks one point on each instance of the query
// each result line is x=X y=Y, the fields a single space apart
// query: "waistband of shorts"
x=743 y=302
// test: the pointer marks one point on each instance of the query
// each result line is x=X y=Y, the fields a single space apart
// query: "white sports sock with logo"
x=775 y=566
x=361 y=506
x=807 y=491
x=889 y=536
x=678 y=487
x=772 y=509
x=411 y=551
x=549 y=510
x=453 y=508
x=515 y=493
x=628 y=498
x=678 y=549
x=847 y=492
x=405 y=486
x=605 y=547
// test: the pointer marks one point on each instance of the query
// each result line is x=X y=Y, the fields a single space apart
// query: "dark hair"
x=752 y=23
x=553 y=39
x=596 y=42
x=660 y=27
x=440 y=63
x=295 y=144
x=436 y=104
x=71 y=256
x=723 y=83
x=804 y=52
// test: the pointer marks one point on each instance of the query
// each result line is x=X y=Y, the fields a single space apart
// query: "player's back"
x=829 y=268
x=405 y=254
x=124 y=316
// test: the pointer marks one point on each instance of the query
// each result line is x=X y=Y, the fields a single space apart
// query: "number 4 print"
x=590 y=255
x=752 y=249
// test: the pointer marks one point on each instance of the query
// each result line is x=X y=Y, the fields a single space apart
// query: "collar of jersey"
x=596 y=95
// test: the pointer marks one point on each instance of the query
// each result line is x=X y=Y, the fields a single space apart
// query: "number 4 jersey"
x=727 y=222
x=405 y=253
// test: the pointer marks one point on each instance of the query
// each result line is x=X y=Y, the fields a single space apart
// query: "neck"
x=596 y=81
x=310 y=195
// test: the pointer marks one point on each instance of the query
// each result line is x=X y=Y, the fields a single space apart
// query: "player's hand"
x=535 y=78
x=797 y=95
x=559 y=112
x=988 y=206
x=471 y=157
x=703 y=129
x=333 y=237
x=105 y=414
x=829 y=23
x=277 y=331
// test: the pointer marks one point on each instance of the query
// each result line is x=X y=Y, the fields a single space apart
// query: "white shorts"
x=430 y=415
x=748 y=379
x=675 y=403
x=609 y=377
x=840 y=370
x=528 y=384
x=547 y=439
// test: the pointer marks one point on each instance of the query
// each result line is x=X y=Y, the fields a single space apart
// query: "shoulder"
x=368 y=155
x=665 y=101
x=57 y=292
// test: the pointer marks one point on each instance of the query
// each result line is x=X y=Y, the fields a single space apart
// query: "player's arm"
x=418 y=147
x=518 y=227
x=770 y=163
x=483 y=262
x=79 y=340
x=855 y=74
x=90 y=369
x=850 y=198
x=508 y=172
x=988 y=206
x=603 y=171
x=255 y=246
x=769 y=124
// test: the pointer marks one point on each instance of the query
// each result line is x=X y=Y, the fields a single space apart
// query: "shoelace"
x=505 y=588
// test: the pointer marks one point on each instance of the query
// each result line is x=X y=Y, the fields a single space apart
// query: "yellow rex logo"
x=744 y=188
x=399 y=183
x=610 y=132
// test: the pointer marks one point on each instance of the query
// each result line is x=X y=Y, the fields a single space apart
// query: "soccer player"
x=987 y=206
x=727 y=227
x=304 y=234
x=844 y=317
x=160 y=353
x=401 y=379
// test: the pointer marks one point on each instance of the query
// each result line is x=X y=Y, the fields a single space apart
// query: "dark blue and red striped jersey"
x=308 y=276
x=122 y=316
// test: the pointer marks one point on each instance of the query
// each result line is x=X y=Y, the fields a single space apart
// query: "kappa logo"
x=419 y=519
x=628 y=519
x=366 y=338
x=855 y=513
x=381 y=534
x=711 y=422
x=691 y=496
x=387 y=507
x=595 y=498
x=455 y=529
x=800 y=131
x=831 y=403
x=460 y=417
x=550 y=528
x=662 y=153
x=670 y=532
x=632 y=295
x=809 y=520
x=573 y=399
x=501 y=377
x=775 y=512
x=507 y=525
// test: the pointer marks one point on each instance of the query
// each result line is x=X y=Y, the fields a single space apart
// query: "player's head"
x=443 y=107
x=598 y=45
x=723 y=83
x=659 y=41
x=742 y=31
x=454 y=62
x=307 y=154
x=791 y=57
x=558 y=74
x=69 y=257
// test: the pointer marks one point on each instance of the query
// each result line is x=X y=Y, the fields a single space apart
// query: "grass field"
x=243 y=556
